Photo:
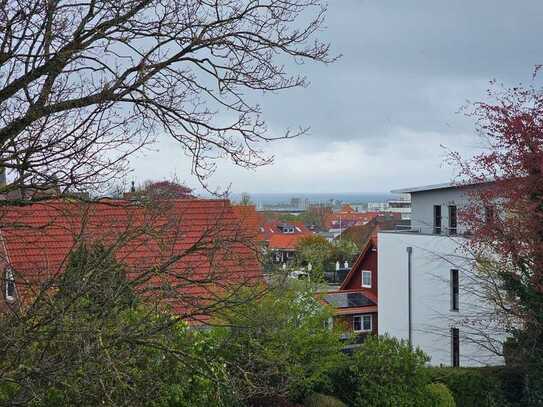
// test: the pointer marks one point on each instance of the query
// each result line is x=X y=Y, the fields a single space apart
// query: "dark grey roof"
x=346 y=300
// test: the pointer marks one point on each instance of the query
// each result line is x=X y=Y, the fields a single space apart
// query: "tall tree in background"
x=506 y=217
x=84 y=85
x=245 y=199
x=166 y=190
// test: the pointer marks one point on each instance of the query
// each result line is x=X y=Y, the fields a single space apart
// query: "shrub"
x=471 y=387
x=384 y=371
x=440 y=395
x=280 y=345
x=323 y=400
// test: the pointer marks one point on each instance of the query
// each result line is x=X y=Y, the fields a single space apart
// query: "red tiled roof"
x=284 y=241
x=269 y=232
x=200 y=246
x=348 y=218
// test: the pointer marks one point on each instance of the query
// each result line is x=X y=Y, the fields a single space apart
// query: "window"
x=437 y=219
x=452 y=219
x=489 y=214
x=366 y=278
x=454 y=290
x=362 y=323
x=455 y=345
x=9 y=285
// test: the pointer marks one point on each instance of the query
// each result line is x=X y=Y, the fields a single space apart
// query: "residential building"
x=346 y=217
x=361 y=234
x=195 y=248
x=355 y=302
x=427 y=290
x=281 y=238
x=401 y=206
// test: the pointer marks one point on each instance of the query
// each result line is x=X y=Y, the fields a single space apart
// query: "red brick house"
x=355 y=302
x=186 y=253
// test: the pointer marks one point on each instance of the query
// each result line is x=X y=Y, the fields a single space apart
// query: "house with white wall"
x=429 y=293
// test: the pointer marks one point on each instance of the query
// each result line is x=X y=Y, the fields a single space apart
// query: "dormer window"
x=286 y=228
x=9 y=285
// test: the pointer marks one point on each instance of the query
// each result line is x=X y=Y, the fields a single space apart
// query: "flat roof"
x=433 y=187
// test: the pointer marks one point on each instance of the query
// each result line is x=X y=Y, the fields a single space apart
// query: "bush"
x=384 y=371
x=323 y=400
x=440 y=395
x=471 y=387
x=280 y=345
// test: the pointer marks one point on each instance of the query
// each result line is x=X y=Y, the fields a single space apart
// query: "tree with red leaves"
x=506 y=217
x=167 y=190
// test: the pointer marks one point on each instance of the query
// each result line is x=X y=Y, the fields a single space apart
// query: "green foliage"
x=322 y=400
x=471 y=387
x=280 y=345
x=308 y=218
x=323 y=254
x=90 y=342
x=317 y=251
x=440 y=395
x=383 y=372
x=245 y=199
x=344 y=249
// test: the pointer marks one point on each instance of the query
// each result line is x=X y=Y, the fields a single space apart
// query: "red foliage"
x=168 y=190
x=507 y=214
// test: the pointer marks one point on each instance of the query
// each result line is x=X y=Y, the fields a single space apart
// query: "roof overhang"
x=432 y=187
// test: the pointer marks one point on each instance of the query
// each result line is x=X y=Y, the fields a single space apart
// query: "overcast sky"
x=380 y=116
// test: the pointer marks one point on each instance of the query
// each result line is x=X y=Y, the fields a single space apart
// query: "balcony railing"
x=429 y=230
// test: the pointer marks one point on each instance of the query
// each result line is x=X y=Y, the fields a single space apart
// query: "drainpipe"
x=410 y=295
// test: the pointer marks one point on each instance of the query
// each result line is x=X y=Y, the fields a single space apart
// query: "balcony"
x=429 y=230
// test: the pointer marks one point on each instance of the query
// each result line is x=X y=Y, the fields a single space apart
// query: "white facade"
x=432 y=316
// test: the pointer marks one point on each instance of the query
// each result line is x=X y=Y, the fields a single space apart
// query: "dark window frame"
x=361 y=318
x=453 y=219
x=437 y=219
x=490 y=214
x=455 y=347
x=455 y=289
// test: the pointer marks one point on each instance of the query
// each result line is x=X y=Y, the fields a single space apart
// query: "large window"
x=366 y=278
x=9 y=285
x=455 y=345
x=362 y=323
x=455 y=289
x=452 y=220
x=437 y=219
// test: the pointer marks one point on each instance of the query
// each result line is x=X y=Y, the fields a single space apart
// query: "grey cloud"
x=407 y=67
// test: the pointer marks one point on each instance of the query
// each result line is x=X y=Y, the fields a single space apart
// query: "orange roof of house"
x=284 y=241
x=348 y=217
x=269 y=230
x=198 y=248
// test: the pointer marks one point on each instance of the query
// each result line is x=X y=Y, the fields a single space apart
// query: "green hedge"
x=323 y=400
x=481 y=387
x=440 y=395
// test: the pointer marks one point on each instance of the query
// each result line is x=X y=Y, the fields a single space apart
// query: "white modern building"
x=428 y=291
x=402 y=205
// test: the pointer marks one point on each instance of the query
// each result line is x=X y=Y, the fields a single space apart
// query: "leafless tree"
x=83 y=85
